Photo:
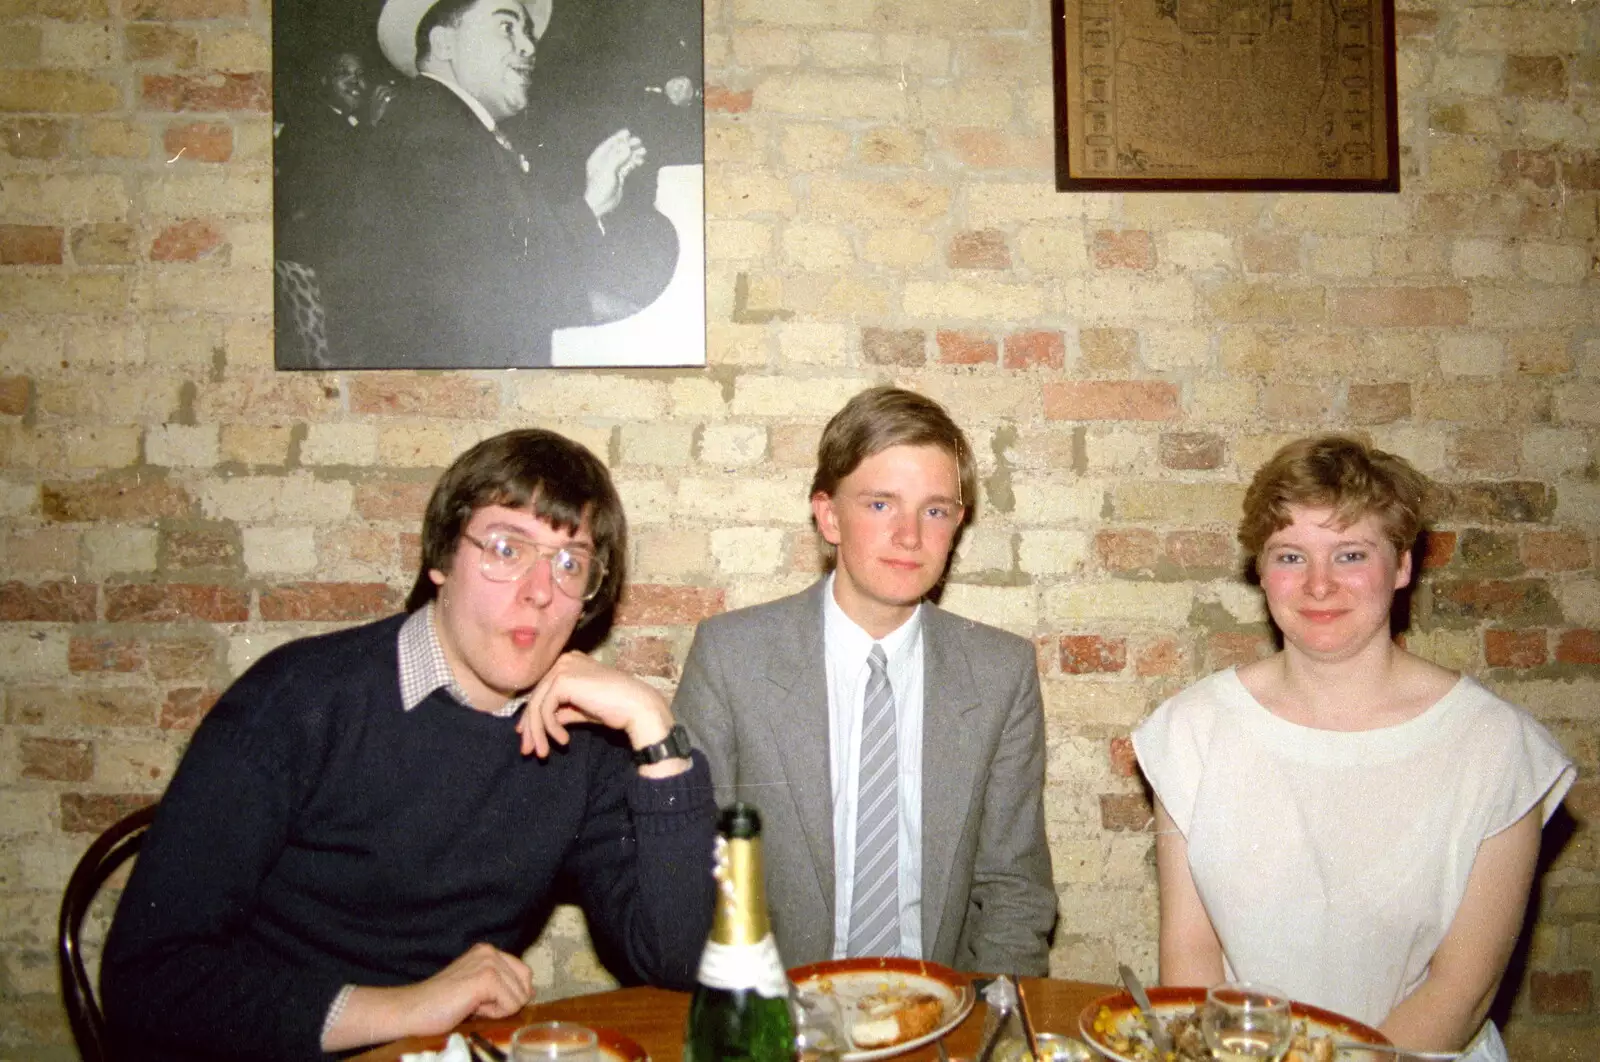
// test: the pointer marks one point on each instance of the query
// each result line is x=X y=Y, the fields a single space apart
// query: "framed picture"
x=464 y=184
x=1225 y=95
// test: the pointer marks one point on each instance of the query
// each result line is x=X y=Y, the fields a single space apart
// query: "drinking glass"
x=554 y=1041
x=819 y=1030
x=1246 y=1023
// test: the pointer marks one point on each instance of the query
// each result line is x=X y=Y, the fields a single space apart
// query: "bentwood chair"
x=109 y=851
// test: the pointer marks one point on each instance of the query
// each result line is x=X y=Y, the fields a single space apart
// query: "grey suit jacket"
x=754 y=696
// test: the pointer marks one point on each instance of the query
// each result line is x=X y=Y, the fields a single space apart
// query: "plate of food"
x=1112 y=1026
x=889 y=1006
x=614 y=1047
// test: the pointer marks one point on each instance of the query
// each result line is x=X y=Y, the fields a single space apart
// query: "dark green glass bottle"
x=740 y=1010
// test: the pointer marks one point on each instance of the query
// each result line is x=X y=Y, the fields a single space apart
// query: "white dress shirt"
x=846 y=647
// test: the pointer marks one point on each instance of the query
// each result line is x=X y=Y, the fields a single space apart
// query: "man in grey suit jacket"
x=781 y=699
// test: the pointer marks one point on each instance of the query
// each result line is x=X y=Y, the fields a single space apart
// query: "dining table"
x=654 y=1018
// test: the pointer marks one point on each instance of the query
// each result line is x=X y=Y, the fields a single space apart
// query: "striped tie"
x=875 y=895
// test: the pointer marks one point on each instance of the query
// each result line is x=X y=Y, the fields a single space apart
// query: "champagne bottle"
x=740 y=1009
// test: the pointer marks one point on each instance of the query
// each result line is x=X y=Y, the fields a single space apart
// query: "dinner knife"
x=1158 y=1032
x=486 y=1046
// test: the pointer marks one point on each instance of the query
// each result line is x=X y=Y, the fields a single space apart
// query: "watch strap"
x=676 y=745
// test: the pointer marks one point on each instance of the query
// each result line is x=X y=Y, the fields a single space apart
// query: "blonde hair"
x=881 y=417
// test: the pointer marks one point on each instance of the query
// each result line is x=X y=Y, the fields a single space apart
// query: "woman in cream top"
x=1345 y=820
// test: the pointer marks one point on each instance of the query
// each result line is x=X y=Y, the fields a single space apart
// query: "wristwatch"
x=675 y=745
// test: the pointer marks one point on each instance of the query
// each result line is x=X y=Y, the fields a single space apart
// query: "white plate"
x=850 y=979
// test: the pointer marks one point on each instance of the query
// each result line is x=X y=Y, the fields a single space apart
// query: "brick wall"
x=881 y=209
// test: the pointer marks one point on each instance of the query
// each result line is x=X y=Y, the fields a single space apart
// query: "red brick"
x=56 y=759
x=33 y=138
x=1438 y=549
x=198 y=142
x=410 y=551
x=1201 y=550
x=54 y=602
x=723 y=100
x=206 y=92
x=980 y=249
x=14 y=392
x=1108 y=349
x=1514 y=602
x=1502 y=502
x=341 y=602
x=97 y=812
x=1578 y=647
x=175 y=660
x=1032 y=350
x=176 y=602
x=1561 y=992
x=184 y=708
x=1580 y=171
x=1541 y=77
x=1083 y=654
x=1379 y=403
x=1555 y=551
x=104 y=654
x=1228 y=649
x=186 y=241
x=1124 y=812
x=113 y=500
x=406 y=394
x=393 y=499
x=1110 y=400
x=965 y=348
x=1134 y=549
x=881 y=346
x=1123 y=760
x=1515 y=648
x=1270 y=254
x=31 y=244
x=1537 y=168
x=657 y=605
x=188 y=548
x=1399 y=307
x=120 y=706
x=1131 y=249
x=184 y=10
x=1191 y=450
x=1164 y=656
x=646 y=655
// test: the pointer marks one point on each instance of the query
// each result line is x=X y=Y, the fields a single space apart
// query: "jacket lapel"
x=950 y=761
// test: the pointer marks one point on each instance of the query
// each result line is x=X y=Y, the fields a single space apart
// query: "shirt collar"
x=466 y=97
x=854 y=640
x=424 y=668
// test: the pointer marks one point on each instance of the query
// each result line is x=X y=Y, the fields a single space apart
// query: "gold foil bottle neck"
x=741 y=916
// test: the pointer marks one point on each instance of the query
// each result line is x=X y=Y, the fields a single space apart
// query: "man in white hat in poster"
x=460 y=257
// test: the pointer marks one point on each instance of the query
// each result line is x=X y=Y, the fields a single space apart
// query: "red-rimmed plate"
x=848 y=980
x=614 y=1047
x=1169 y=1003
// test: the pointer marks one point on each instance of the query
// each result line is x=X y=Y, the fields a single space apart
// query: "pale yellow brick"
x=1341 y=256
x=899 y=247
x=235 y=50
x=1012 y=608
x=845 y=50
x=592 y=395
x=55 y=293
x=279 y=550
x=117 y=139
x=1054 y=552
x=134 y=765
x=1119 y=602
x=907 y=200
x=142 y=396
x=1555 y=123
x=24 y=812
x=267 y=499
x=917 y=53
x=817 y=343
x=1555 y=263
x=1077 y=860
x=1467 y=75
x=850 y=297
x=733 y=445
x=1174 y=349
x=818 y=247
x=1161 y=211
x=696 y=397
x=31 y=347
x=1461 y=165
x=1222 y=401
x=753 y=590
x=181 y=193
x=36 y=552
x=113 y=446
x=210 y=290
x=182 y=445
x=738 y=191
x=1589 y=358
x=749 y=550
x=250 y=244
x=31 y=198
x=979 y=102
x=1580 y=601
x=651 y=501
x=758 y=46
x=1548 y=700
x=767 y=396
x=1557 y=451
x=1244 y=603
x=1471 y=259
x=76 y=45
x=1338 y=215
x=1452 y=649
x=892 y=145
x=1057 y=499
x=255 y=444
x=1511 y=306
x=1472 y=355
x=832 y=14
x=812 y=147
x=1115 y=298
x=742 y=497
x=246 y=648
x=1197 y=250
x=1578 y=403
x=1079 y=702
x=19 y=500
x=252 y=140
x=112 y=549
x=422 y=444
x=973 y=299
x=1412 y=256
x=667 y=553
x=1520 y=29
x=1111 y=449
x=1177 y=504
x=658 y=443
x=984 y=547
x=1052 y=249
x=738 y=240
x=1008 y=399
x=1426 y=446
x=33 y=654
x=833 y=96
x=247 y=342
x=96 y=345
x=339 y=444
x=188 y=341
x=1003 y=204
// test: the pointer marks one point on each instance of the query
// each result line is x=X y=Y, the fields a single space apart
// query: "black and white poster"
x=488 y=183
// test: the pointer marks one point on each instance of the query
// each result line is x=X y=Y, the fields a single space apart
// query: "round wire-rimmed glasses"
x=505 y=558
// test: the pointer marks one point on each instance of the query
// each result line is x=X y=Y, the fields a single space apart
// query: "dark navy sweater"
x=315 y=834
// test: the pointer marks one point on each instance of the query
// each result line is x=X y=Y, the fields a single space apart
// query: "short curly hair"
x=1344 y=474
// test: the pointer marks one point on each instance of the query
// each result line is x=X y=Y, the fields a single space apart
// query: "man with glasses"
x=355 y=847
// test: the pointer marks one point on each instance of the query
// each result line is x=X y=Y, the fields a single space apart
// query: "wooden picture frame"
x=1225 y=95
